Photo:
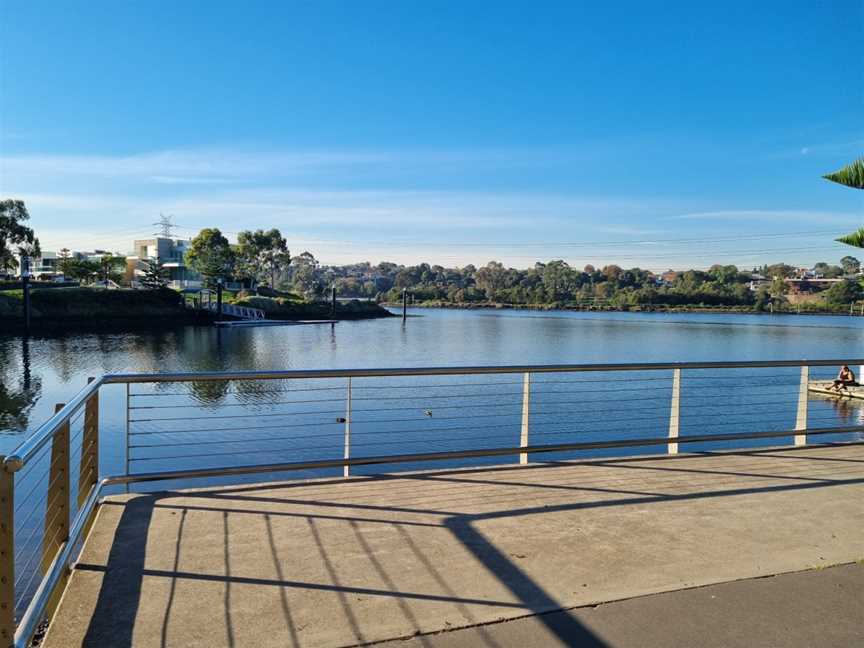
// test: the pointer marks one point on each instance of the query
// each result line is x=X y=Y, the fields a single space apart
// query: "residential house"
x=668 y=278
x=43 y=267
x=171 y=254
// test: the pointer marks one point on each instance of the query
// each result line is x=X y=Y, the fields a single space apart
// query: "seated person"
x=846 y=378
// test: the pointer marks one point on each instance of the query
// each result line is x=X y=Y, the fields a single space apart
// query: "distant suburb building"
x=48 y=266
x=44 y=267
x=668 y=277
x=171 y=254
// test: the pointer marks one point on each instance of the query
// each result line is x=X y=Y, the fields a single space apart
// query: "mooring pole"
x=404 y=304
x=333 y=301
x=25 y=285
x=219 y=297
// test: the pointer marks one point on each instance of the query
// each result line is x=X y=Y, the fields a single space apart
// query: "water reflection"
x=211 y=349
x=847 y=411
x=19 y=390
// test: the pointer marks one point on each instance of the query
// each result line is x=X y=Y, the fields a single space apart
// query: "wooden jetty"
x=259 y=322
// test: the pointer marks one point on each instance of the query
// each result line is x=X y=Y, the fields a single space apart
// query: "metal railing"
x=183 y=426
x=243 y=312
x=205 y=301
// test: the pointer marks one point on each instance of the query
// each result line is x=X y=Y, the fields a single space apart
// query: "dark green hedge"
x=90 y=304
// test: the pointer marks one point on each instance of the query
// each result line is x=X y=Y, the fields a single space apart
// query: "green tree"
x=111 y=267
x=80 y=269
x=306 y=275
x=263 y=256
x=491 y=278
x=211 y=255
x=558 y=279
x=778 y=290
x=65 y=256
x=14 y=234
x=842 y=293
x=850 y=265
x=155 y=275
x=781 y=270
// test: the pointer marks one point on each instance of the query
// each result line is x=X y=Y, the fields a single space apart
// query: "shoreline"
x=84 y=310
x=155 y=325
x=720 y=310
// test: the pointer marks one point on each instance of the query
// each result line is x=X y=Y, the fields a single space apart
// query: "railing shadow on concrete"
x=120 y=592
x=537 y=392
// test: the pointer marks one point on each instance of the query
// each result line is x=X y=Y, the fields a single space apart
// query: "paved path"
x=334 y=563
x=814 y=609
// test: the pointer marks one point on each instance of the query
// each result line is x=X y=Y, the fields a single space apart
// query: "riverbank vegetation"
x=556 y=284
x=298 y=309
x=15 y=237
x=95 y=308
x=103 y=309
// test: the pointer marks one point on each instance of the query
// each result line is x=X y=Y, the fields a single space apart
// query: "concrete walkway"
x=821 y=608
x=335 y=563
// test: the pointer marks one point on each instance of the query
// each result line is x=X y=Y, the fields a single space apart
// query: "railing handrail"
x=460 y=370
x=27 y=449
x=238 y=311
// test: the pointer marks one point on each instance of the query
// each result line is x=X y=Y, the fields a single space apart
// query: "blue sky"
x=453 y=132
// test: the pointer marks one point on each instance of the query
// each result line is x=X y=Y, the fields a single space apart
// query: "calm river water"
x=37 y=374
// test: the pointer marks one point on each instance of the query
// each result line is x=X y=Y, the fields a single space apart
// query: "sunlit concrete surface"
x=342 y=562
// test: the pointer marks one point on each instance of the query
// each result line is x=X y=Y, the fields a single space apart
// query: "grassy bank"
x=101 y=309
x=805 y=309
x=292 y=309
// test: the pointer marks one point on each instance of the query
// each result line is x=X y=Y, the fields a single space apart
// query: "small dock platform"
x=419 y=556
x=264 y=322
x=823 y=388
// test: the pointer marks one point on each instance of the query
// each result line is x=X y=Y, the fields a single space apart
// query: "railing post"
x=7 y=555
x=675 y=411
x=88 y=473
x=128 y=423
x=346 y=470
x=803 y=397
x=57 y=511
x=526 y=416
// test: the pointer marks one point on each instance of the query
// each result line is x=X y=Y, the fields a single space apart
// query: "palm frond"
x=855 y=239
x=852 y=175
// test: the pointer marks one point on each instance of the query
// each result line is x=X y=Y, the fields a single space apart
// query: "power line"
x=165 y=225
x=675 y=254
x=629 y=242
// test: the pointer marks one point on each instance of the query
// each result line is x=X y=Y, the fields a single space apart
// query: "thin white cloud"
x=221 y=166
x=198 y=164
x=404 y=210
x=186 y=180
x=814 y=218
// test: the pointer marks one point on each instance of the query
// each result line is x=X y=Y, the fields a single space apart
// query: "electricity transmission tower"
x=165 y=225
